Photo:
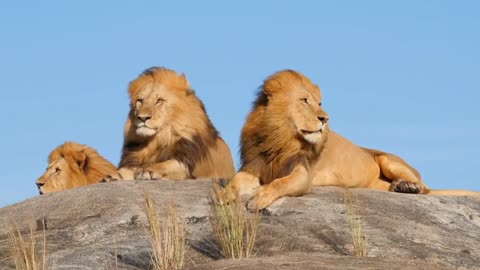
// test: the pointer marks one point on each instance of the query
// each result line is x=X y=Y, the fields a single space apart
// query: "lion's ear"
x=81 y=159
x=133 y=90
x=271 y=87
x=55 y=155
x=184 y=80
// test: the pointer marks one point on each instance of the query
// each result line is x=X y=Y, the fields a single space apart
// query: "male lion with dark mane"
x=72 y=165
x=168 y=133
x=287 y=147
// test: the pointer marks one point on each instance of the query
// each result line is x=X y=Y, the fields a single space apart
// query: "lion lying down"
x=73 y=165
x=287 y=147
x=168 y=133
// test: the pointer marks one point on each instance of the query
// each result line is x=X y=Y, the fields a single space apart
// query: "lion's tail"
x=452 y=192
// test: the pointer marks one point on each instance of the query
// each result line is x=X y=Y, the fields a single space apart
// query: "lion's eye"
x=138 y=103
x=57 y=170
x=160 y=100
x=304 y=100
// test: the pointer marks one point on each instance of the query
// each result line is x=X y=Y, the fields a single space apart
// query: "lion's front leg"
x=125 y=173
x=170 y=169
x=295 y=184
x=242 y=183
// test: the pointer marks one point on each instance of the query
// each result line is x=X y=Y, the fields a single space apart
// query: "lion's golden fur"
x=168 y=133
x=287 y=147
x=73 y=165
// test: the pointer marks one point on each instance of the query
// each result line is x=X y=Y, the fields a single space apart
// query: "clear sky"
x=401 y=76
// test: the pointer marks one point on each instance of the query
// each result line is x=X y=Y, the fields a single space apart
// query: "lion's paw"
x=262 y=198
x=146 y=174
x=226 y=195
x=403 y=186
x=111 y=177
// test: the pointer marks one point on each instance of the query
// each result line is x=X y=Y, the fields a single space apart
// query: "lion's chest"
x=151 y=155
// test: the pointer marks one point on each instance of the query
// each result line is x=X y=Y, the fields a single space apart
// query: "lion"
x=287 y=147
x=72 y=165
x=168 y=133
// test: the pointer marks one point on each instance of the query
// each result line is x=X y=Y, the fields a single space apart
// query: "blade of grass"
x=23 y=249
x=235 y=229
x=167 y=237
x=359 y=240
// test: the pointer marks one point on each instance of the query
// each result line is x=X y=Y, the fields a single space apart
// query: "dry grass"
x=355 y=223
x=23 y=249
x=167 y=237
x=235 y=228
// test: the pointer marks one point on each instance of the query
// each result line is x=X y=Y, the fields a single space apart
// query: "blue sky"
x=401 y=76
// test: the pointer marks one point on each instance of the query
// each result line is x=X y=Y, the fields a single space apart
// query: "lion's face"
x=293 y=94
x=155 y=96
x=60 y=175
x=308 y=117
x=150 y=110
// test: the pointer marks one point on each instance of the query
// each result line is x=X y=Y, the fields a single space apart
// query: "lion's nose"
x=143 y=118
x=323 y=119
x=39 y=186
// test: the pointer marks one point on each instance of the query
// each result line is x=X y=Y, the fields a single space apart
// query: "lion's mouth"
x=143 y=130
x=320 y=130
x=143 y=125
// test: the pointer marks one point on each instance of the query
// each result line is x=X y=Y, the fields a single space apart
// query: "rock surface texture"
x=103 y=227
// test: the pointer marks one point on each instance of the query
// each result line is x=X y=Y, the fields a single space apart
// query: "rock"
x=103 y=226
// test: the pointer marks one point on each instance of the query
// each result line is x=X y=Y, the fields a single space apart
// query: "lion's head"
x=157 y=97
x=73 y=165
x=287 y=125
x=295 y=97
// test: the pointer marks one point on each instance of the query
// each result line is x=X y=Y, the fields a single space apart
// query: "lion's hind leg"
x=403 y=177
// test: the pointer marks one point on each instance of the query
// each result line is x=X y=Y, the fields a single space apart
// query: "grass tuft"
x=355 y=223
x=167 y=237
x=235 y=229
x=23 y=249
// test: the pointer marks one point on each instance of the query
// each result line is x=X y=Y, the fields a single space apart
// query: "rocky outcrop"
x=103 y=227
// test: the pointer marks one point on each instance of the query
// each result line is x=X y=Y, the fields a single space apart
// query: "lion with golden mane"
x=287 y=147
x=72 y=165
x=168 y=133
